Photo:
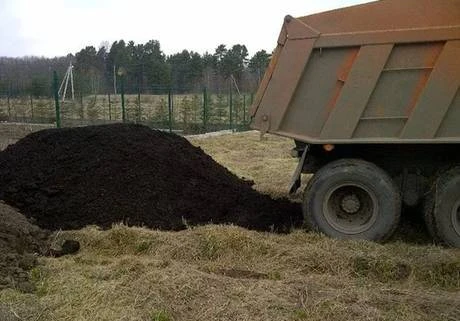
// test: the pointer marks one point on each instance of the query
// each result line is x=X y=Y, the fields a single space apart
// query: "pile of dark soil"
x=20 y=242
x=73 y=177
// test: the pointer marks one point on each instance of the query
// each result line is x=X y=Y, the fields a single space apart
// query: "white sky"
x=58 y=27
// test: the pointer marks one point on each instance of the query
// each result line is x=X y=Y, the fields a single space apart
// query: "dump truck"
x=370 y=95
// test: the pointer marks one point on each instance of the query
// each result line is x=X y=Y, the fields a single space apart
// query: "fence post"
x=139 y=110
x=110 y=108
x=31 y=108
x=205 y=109
x=244 y=109
x=231 y=109
x=56 y=99
x=9 y=107
x=170 y=111
x=82 y=109
x=122 y=89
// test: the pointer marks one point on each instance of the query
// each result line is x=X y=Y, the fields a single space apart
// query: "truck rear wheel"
x=442 y=208
x=352 y=198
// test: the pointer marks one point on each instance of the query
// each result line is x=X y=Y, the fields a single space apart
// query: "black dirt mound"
x=20 y=241
x=69 y=178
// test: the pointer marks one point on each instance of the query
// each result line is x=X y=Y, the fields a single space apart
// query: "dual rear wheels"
x=352 y=198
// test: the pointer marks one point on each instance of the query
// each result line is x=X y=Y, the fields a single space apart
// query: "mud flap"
x=295 y=181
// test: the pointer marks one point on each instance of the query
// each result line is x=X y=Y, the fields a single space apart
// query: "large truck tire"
x=352 y=199
x=442 y=208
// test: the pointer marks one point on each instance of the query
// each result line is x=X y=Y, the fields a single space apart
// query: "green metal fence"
x=180 y=110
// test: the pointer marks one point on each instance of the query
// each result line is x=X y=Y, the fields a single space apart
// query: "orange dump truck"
x=370 y=95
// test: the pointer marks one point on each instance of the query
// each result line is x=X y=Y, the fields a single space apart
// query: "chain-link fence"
x=181 y=110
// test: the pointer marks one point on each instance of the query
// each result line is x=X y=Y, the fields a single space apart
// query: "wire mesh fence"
x=180 y=110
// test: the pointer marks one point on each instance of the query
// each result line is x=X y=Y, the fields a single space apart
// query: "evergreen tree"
x=258 y=63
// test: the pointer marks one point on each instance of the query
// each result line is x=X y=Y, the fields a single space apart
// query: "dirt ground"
x=20 y=244
x=218 y=272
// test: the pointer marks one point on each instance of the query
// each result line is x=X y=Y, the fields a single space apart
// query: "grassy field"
x=229 y=273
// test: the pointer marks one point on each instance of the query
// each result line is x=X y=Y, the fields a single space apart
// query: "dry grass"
x=229 y=273
x=266 y=161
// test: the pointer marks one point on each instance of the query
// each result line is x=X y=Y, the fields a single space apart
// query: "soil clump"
x=20 y=243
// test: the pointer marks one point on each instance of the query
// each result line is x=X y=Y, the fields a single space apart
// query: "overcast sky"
x=57 y=27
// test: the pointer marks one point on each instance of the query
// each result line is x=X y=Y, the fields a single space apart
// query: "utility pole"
x=65 y=82
x=236 y=85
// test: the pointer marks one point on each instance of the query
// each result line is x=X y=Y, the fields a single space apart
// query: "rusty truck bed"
x=382 y=72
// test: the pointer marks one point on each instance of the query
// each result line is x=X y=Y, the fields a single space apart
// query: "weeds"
x=161 y=316
x=39 y=279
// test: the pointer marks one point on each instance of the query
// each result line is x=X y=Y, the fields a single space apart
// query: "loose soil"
x=20 y=241
x=73 y=177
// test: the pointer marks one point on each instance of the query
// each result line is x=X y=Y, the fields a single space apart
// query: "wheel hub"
x=350 y=208
x=350 y=204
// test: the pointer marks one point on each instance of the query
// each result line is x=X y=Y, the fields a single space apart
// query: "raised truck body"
x=370 y=94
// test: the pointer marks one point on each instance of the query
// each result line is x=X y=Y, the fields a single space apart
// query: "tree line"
x=139 y=68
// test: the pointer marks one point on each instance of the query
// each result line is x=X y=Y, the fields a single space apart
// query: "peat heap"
x=73 y=177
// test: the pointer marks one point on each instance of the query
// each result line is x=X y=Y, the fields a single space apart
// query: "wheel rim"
x=456 y=217
x=350 y=208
